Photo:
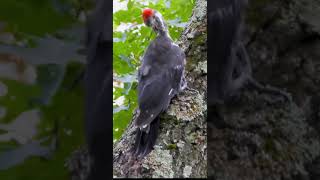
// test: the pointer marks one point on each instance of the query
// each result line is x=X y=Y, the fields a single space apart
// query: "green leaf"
x=130 y=4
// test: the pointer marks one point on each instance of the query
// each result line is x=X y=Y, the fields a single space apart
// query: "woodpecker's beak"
x=147 y=22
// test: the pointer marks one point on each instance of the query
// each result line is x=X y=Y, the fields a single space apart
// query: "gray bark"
x=180 y=150
x=253 y=138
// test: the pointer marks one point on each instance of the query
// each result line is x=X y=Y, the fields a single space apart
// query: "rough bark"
x=253 y=139
x=180 y=150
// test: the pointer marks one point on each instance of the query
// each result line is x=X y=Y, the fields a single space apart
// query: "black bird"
x=229 y=64
x=160 y=78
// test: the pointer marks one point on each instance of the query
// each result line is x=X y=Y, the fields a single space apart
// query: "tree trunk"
x=180 y=150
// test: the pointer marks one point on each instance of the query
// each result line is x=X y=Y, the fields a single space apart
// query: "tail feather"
x=146 y=140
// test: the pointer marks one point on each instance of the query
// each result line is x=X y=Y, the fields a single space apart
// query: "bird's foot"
x=279 y=94
x=191 y=90
x=282 y=95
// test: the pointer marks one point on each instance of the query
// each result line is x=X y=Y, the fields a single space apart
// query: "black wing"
x=154 y=96
x=158 y=84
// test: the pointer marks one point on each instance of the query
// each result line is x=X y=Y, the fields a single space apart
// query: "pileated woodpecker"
x=230 y=63
x=160 y=78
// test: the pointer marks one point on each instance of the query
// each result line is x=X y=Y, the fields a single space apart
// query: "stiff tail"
x=145 y=140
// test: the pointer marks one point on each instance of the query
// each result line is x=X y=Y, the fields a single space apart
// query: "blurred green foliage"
x=130 y=39
x=32 y=16
x=25 y=19
x=65 y=110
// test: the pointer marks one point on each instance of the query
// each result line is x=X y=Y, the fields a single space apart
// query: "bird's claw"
x=285 y=96
x=191 y=90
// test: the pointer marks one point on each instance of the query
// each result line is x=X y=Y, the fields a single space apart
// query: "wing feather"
x=159 y=79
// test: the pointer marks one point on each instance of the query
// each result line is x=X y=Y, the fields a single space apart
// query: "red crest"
x=147 y=13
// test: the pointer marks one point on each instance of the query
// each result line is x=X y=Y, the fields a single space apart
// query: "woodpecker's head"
x=153 y=18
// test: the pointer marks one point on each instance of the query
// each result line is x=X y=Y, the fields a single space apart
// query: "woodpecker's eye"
x=146 y=14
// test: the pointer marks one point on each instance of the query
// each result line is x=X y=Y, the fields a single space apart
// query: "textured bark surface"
x=253 y=139
x=181 y=147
